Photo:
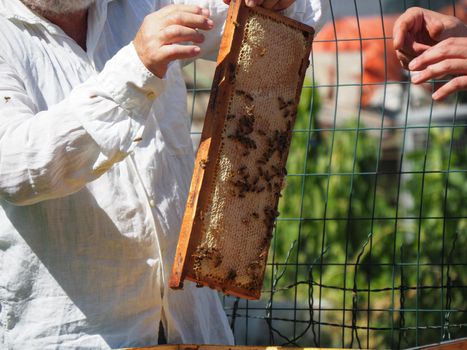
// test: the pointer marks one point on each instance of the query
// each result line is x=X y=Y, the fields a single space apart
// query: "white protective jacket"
x=89 y=214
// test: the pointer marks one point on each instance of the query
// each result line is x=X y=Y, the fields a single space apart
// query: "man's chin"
x=58 y=7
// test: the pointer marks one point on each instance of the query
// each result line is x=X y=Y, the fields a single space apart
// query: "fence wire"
x=368 y=249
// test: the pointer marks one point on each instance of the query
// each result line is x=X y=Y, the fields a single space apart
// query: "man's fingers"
x=253 y=3
x=452 y=86
x=444 y=50
x=440 y=69
x=177 y=52
x=276 y=5
x=177 y=33
x=269 y=4
x=283 y=4
x=197 y=10
x=189 y=20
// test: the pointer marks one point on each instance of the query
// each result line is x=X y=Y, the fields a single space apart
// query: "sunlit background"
x=368 y=249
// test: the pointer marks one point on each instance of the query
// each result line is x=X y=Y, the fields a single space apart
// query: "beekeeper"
x=95 y=165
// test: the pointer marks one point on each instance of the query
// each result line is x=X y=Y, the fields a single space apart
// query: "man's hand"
x=158 y=41
x=445 y=58
x=418 y=29
x=276 y=5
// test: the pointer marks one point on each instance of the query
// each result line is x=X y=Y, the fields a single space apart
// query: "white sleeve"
x=56 y=152
x=311 y=12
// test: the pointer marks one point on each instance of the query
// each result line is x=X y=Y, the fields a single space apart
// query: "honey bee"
x=232 y=71
x=255 y=181
x=217 y=260
x=249 y=110
x=231 y=275
x=282 y=103
x=203 y=163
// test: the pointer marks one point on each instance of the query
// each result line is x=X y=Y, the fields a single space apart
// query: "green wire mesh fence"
x=368 y=249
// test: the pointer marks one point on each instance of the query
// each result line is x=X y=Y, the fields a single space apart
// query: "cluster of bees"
x=245 y=124
x=265 y=177
x=255 y=269
x=241 y=135
x=268 y=174
x=278 y=142
x=270 y=215
x=202 y=254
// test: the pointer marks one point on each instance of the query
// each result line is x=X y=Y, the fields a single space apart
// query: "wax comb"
x=240 y=165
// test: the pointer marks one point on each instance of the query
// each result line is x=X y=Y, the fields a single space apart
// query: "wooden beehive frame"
x=217 y=115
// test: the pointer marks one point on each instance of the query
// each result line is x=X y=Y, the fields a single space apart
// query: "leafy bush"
x=406 y=229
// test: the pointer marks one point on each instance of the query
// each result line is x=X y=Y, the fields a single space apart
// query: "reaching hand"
x=276 y=5
x=445 y=58
x=158 y=41
x=418 y=29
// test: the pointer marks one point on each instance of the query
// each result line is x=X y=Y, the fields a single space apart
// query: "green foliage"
x=338 y=195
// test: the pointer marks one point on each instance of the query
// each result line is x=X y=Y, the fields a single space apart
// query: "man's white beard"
x=58 y=7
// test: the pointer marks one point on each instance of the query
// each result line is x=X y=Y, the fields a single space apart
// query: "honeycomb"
x=237 y=219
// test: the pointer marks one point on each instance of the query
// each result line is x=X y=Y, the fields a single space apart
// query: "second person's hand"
x=418 y=29
x=449 y=57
